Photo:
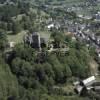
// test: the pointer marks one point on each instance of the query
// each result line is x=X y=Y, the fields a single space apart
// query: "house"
x=84 y=17
x=87 y=17
x=55 y=24
x=97 y=16
x=78 y=89
x=80 y=16
x=76 y=83
x=34 y=40
x=98 y=40
x=96 y=89
x=98 y=52
x=96 y=86
x=11 y=44
x=84 y=86
x=92 y=36
x=50 y=26
x=89 y=81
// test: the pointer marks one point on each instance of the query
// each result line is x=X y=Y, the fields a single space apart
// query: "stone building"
x=35 y=41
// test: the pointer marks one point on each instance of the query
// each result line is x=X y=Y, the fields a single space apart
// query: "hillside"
x=46 y=47
x=8 y=82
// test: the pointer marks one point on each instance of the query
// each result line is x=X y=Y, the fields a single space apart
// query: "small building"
x=50 y=26
x=98 y=40
x=97 y=83
x=89 y=81
x=96 y=89
x=98 y=52
x=56 y=25
x=85 y=17
x=97 y=16
x=11 y=44
x=76 y=83
x=80 y=16
x=82 y=87
x=96 y=86
x=78 y=89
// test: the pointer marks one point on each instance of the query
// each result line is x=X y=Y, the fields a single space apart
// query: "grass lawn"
x=58 y=97
x=45 y=34
x=18 y=38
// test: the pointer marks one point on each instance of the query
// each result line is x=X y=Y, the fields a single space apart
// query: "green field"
x=45 y=34
x=18 y=38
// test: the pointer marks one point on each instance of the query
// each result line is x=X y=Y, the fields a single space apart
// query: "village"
x=50 y=50
x=79 y=32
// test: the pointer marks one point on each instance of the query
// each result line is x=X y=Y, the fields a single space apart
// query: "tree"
x=58 y=38
x=16 y=27
x=27 y=22
x=67 y=72
x=8 y=82
x=16 y=65
x=24 y=52
x=3 y=26
x=78 y=63
x=3 y=40
x=57 y=68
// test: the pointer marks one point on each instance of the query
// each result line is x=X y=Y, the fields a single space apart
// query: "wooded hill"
x=25 y=73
